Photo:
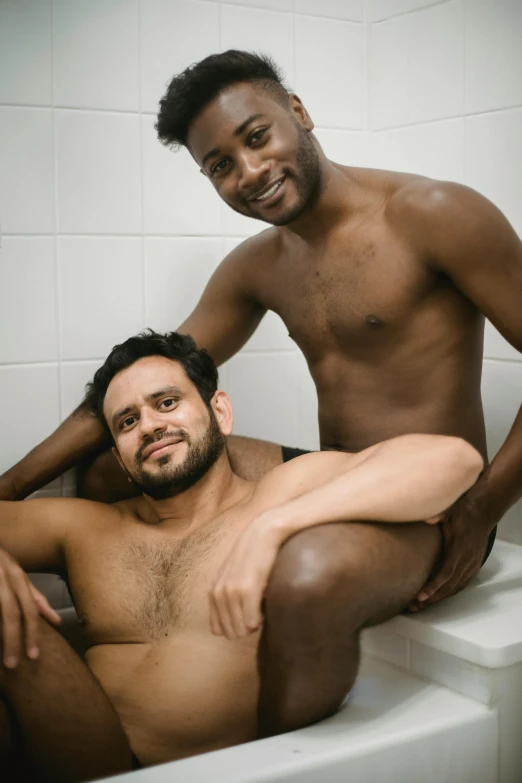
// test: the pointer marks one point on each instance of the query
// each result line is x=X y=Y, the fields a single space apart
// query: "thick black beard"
x=308 y=182
x=200 y=458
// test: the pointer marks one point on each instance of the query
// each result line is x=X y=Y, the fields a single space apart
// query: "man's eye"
x=219 y=167
x=168 y=403
x=128 y=422
x=257 y=135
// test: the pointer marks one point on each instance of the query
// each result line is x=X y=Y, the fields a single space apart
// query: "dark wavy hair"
x=196 y=362
x=192 y=89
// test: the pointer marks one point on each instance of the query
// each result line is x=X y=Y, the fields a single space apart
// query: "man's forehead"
x=146 y=376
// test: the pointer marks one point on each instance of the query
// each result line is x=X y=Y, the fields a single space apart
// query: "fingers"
x=29 y=613
x=20 y=606
x=11 y=623
x=44 y=607
x=234 y=612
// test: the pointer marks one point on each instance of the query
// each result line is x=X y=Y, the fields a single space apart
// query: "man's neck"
x=218 y=490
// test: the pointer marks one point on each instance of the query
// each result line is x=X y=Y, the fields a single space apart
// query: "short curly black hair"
x=196 y=362
x=192 y=89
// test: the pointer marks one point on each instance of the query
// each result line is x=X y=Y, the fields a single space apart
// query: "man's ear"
x=222 y=408
x=297 y=108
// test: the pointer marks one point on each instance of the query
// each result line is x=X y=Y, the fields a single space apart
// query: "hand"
x=465 y=532
x=20 y=604
x=235 y=599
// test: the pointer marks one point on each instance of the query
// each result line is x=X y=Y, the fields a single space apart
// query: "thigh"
x=375 y=568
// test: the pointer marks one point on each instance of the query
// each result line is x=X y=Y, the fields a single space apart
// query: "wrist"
x=275 y=524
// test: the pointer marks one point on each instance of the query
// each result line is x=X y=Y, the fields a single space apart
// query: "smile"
x=157 y=450
x=272 y=190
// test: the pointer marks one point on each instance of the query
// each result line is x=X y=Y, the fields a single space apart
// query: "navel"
x=374 y=320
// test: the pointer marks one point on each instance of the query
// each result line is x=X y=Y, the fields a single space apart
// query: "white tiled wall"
x=104 y=231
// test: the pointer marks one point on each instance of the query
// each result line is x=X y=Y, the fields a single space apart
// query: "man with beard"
x=169 y=585
x=382 y=279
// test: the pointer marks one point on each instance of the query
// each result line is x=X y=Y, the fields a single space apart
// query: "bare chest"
x=147 y=584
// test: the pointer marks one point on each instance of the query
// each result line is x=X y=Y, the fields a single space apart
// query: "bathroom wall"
x=104 y=231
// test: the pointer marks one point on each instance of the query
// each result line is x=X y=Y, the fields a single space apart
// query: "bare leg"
x=330 y=582
x=251 y=458
x=66 y=725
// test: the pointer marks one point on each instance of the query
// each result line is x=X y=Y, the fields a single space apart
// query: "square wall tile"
x=98 y=170
x=21 y=388
x=96 y=54
x=497 y=347
x=238 y=225
x=349 y=10
x=493 y=54
x=177 y=271
x=27 y=204
x=101 y=293
x=177 y=198
x=271 y=334
x=25 y=52
x=258 y=30
x=493 y=161
x=28 y=306
x=73 y=378
x=388 y=73
x=501 y=398
x=262 y=387
x=350 y=148
x=332 y=85
x=436 y=149
x=173 y=36
x=436 y=62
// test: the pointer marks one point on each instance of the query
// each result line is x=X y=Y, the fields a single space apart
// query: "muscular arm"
x=223 y=320
x=404 y=479
x=467 y=238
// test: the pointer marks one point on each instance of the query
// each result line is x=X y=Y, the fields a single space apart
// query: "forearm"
x=501 y=484
x=401 y=481
x=80 y=435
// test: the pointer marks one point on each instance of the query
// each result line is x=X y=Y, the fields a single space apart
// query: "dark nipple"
x=374 y=320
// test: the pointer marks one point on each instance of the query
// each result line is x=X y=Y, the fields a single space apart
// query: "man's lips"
x=158 y=446
x=266 y=192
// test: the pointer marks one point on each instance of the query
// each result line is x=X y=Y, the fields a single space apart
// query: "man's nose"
x=254 y=172
x=151 y=421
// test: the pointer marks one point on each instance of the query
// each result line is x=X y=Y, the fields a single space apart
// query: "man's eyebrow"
x=154 y=396
x=238 y=131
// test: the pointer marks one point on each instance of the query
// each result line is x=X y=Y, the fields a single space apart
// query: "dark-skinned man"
x=383 y=280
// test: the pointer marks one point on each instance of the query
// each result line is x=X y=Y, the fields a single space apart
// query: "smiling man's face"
x=258 y=154
x=166 y=438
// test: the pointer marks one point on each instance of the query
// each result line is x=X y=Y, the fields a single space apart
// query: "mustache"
x=181 y=434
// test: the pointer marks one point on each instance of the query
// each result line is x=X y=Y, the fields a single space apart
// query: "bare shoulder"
x=254 y=252
x=70 y=511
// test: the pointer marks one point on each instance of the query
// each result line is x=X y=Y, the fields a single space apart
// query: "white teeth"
x=269 y=192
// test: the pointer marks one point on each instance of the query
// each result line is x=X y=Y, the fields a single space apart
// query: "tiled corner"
x=28 y=302
x=98 y=170
x=388 y=73
x=101 y=293
x=260 y=30
x=331 y=86
x=436 y=149
x=272 y=5
x=177 y=198
x=390 y=149
x=436 y=62
x=73 y=378
x=493 y=161
x=263 y=390
x=24 y=386
x=493 y=55
x=455 y=673
x=349 y=10
x=26 y=171
x=176 y=271
x=379 y=10
x=173 y=36
x=25 y=52
x=96 y=54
